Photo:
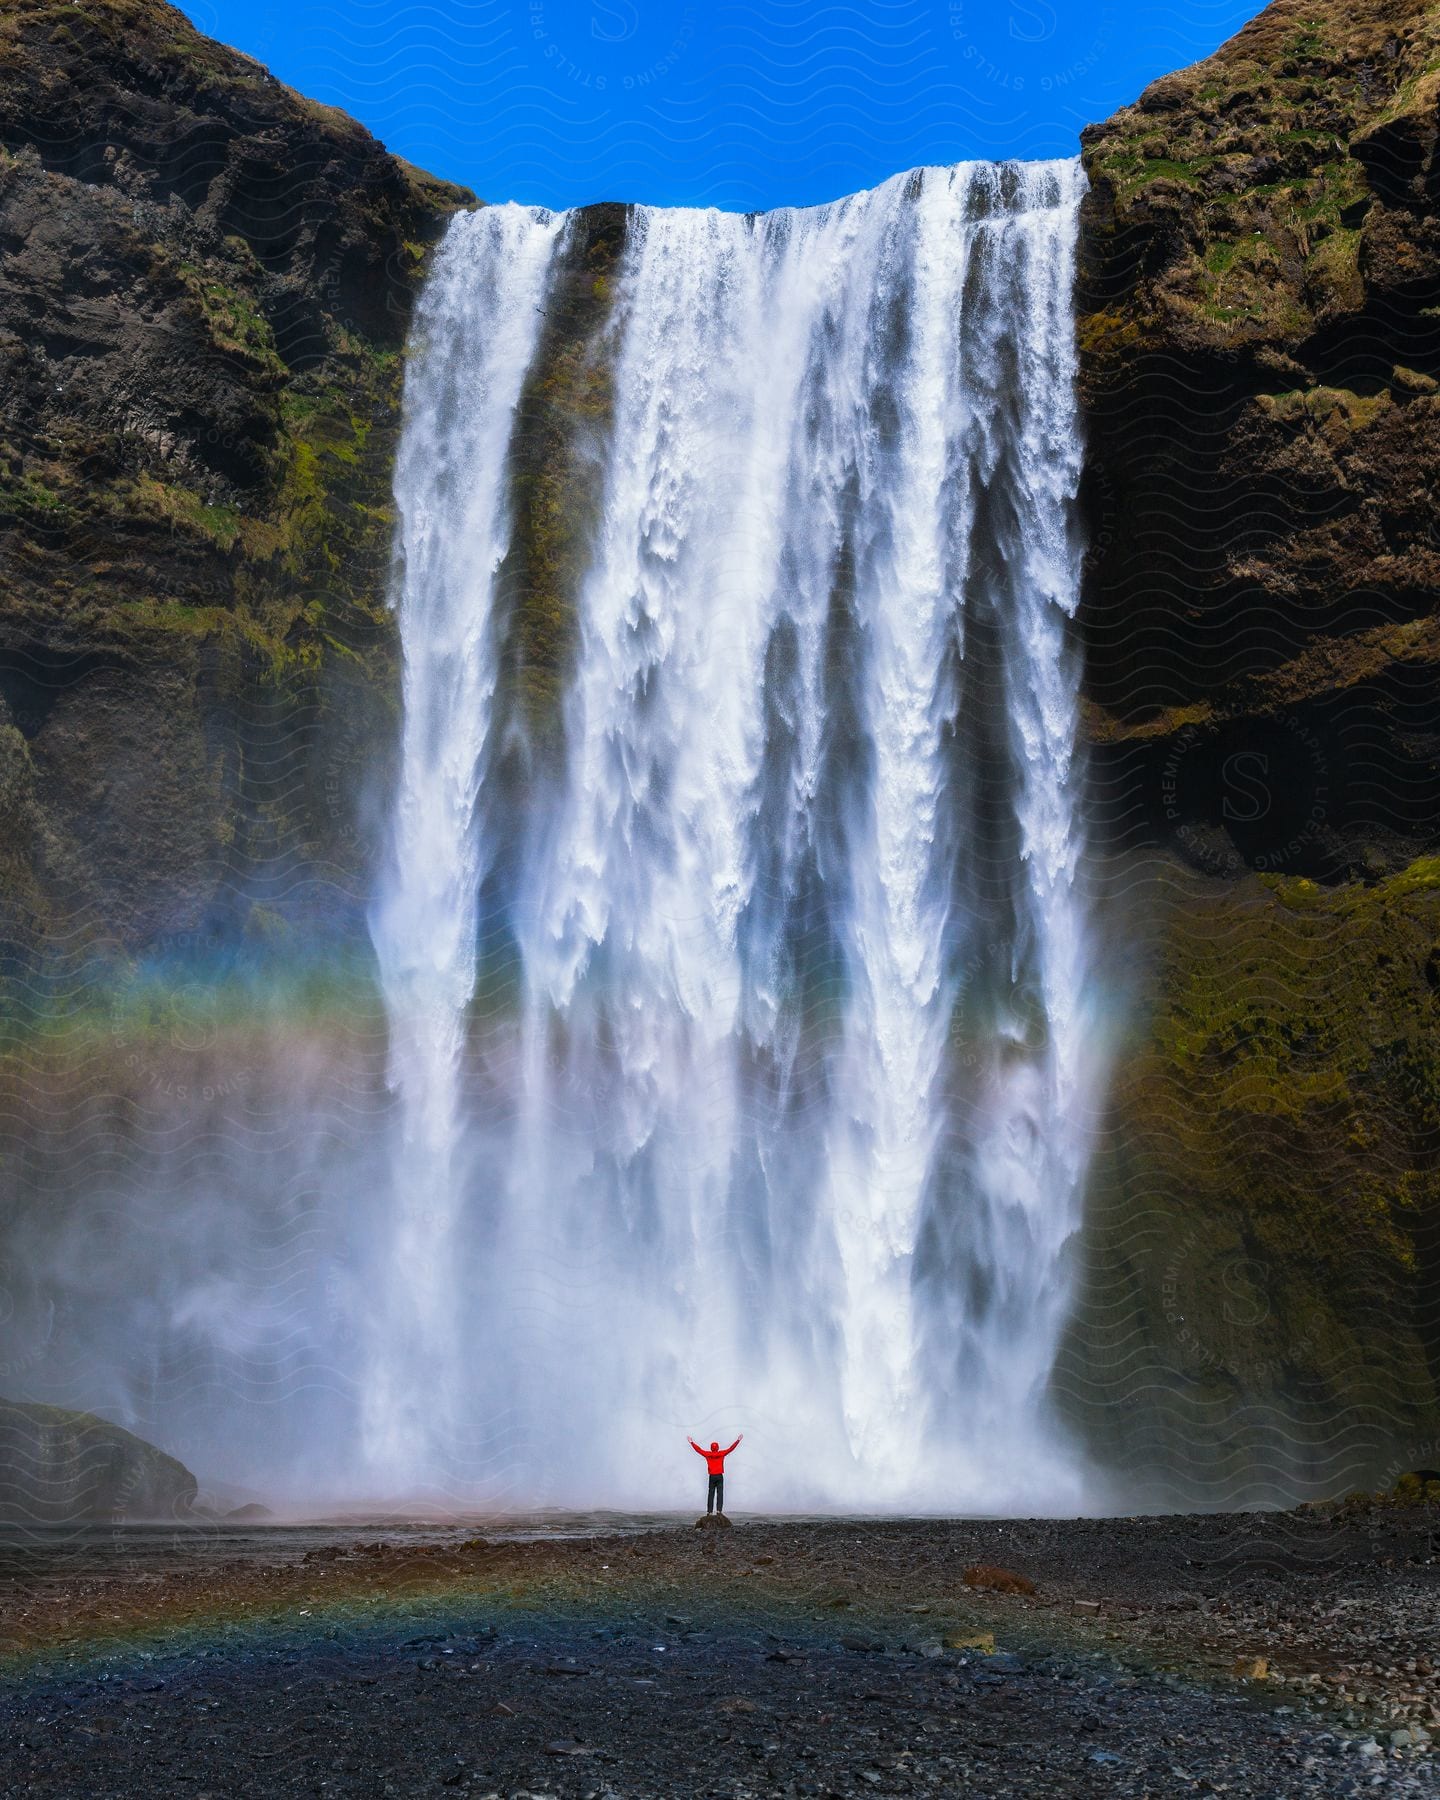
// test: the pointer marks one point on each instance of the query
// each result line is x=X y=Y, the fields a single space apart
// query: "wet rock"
x=711 y=1522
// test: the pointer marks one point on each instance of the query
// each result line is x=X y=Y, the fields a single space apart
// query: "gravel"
x=834 y=1658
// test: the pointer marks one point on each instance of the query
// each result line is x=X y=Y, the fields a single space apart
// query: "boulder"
x=59 y=1467
x=1417 y=1485
x=712 y=1521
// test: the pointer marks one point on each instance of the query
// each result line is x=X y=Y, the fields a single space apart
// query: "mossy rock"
x=195 y=475
x=1263 y=1245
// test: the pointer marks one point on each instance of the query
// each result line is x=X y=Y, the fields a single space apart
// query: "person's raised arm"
x=696 y=1448
x=736 y=1442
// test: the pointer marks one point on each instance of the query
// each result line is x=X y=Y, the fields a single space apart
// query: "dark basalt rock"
x=59 y=1468
x=206 y=288
x=1259 y=277
x=1257 y=347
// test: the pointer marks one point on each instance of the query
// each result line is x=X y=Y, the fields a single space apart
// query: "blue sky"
x=728 y=103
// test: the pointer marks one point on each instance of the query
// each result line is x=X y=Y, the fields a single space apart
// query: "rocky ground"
x=1271 y=1654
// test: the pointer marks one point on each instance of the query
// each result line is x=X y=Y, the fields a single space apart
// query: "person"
x=715 y=1463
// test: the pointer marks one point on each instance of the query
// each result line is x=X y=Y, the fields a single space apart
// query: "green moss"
x=1307 y=41
x=185 y=510
x=1333 y=269
x=1265 y=1199
x=1187 y=174
x=1107 y=335
x=29 y=501
x=158 y=615
x=322 y=557
x=1102 y=727
x=1319 y=404
x=1242 y=281
x=1163 y=168
x=1332 y=187
x=1417 y=91
x=234 y=320
x=557 y=481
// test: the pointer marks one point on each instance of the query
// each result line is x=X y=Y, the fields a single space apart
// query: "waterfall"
x=478 y=325
x=740 y=1041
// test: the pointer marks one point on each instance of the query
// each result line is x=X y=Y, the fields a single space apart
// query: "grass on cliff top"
x=1281 y=84
x=114 y=35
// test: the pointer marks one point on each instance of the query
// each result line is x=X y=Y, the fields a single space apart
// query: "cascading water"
x=481 y=313
x=777 y=1120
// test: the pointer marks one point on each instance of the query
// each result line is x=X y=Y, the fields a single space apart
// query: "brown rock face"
x=1258 y=309
x=1260 y=353
x=204 y=292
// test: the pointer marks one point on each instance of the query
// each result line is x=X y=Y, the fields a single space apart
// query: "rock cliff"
x=1259 y=302
x=204 y=296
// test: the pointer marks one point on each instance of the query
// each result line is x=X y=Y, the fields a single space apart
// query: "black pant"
x=715 y=1499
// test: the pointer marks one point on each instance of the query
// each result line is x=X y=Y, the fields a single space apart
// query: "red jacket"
x=714 y=1459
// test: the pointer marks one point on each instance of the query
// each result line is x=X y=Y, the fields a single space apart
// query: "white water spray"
x=478 y=324
x=783 y=1125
